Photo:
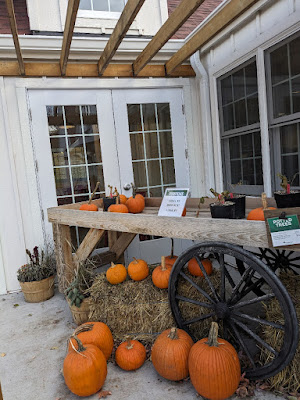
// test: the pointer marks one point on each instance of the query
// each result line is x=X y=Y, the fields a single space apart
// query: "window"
x=283 y=73
x=240 y=130
x=102 y=5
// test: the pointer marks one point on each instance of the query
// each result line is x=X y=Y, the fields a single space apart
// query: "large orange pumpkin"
x=115 y=274
x=96 y=333
x=84 y=369
x=195 y=269
x=214 y=367
x=161 y=274
x=138 y=270
x=258 y=213
x=130 y=355
x=135 y=203
x=170 y=354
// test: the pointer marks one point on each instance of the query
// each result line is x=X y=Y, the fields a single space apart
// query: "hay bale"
x=139 y=309
x=288 y=378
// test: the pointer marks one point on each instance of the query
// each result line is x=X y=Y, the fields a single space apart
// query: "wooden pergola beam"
x=72 y=10
x=178 y=17
x=130 y=11
x=219 y=21
x=14 y=31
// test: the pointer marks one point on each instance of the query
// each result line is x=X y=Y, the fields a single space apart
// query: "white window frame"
x=99 y=14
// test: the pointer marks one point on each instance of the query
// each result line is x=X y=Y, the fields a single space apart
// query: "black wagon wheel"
x=279 y=259
x=229 y=298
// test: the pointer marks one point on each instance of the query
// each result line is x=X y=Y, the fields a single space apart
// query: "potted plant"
x=111 y=199
x=77 y=293
x=222 y=208
x=36 y=278
x=287 y=198
x=240 y=203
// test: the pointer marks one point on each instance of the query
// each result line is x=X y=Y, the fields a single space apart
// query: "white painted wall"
x=50 y=16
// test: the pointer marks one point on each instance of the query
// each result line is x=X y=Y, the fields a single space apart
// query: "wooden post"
x=65 y=265
x=1 y=396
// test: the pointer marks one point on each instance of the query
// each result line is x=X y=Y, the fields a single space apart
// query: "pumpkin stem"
x=118 y=199
x=112 y=265
x=93 y=194
x=163 y=263
x=83 y=328
x=129 y=345
x=81 y=347
x=133 y=189
x=173 y=334
x=135 y=260
x=213 y=335
x=264 y=201
x=172 y=247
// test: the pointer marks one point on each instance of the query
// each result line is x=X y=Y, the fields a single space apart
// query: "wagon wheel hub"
x=282 y=262
x=222 y=310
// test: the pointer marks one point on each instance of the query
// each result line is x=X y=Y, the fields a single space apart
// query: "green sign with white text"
x=278 y=225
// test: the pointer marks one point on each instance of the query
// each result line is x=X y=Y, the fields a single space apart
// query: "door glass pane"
x=137 y=146
x=59 y=151
x=281 y=100
x=279 y=64
x=163 y=113
x=151 y=145
x=62 y=180
x=149 y=117
x=96 y=175
x=134 y=117
x=93 y=150
x=76 y=150
x=166 y=144
x=168 y=171
x=73 y=120
x=154 y=173
x=139 y=173
x=79 y=177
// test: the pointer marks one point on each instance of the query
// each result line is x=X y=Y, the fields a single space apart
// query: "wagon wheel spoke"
x=229 y=278
x=200 y=318
x=192 y=301
x=252 y=288
x=241 y=281
x=211 y=286
x=259 y=320
x=222 y=285
x=252 y=301
x=295 y=259
x=187 y=278
x=243 y=345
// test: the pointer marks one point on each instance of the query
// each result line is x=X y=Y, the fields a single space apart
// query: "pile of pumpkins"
x=212 y=363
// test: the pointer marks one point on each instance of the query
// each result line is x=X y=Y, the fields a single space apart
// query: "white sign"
x=284 y=231
x=173 y=202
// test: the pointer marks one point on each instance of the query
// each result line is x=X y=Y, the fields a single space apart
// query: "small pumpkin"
x=135 y=203
x=84 y=369
x=258 y=213
x=123 y=199
x=161 y=275
x=194 y=268
x=96 y=333
x=116 y=273
x=130 y=355
x=89 y=206
x=138 y=269
x=170 y=260
x=214 y=366
x=170 y=354
x=184 y=212
x=118 y=208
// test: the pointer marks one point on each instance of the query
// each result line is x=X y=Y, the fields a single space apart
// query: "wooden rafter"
x=73 y=6
x=130 y=11
x=224 y=17
x=179 y=16
x=14 y=31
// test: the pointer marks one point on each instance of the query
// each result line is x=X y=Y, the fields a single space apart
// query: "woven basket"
x=80 y=314
x=35 y=292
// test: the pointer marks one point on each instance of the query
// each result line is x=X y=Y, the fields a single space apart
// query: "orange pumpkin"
x=170 y=354
x=258 y=213
x=214 y=367
x=84 y=369
x=194 y=268
x=161 y=275
x=130 y=355
x=138 y=270
x=118 y=208
x=135 y=203
x=96 y=333
x=184 y=212
x=123 y=199
x=89 y=206
x=170 y=260
x=116 y=273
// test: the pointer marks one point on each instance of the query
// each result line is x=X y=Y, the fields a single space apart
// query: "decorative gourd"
x=123 y=199
x=130 y=355
x=89 y=206
x=170 y=354
x=116 y=273
x=194 y=268
x=135 y=203
x=118 y=208
x=170 y=260
x=258 y=213
x=84 y=369
x=214 y=367
x=96 y=333
x=138 y=269
x=161 y=275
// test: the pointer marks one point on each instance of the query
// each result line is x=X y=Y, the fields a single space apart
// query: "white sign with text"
x=173 y=202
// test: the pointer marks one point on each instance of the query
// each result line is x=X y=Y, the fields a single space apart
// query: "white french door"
x=112 y=136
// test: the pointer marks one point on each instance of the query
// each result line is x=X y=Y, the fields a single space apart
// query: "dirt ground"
x=33 y=340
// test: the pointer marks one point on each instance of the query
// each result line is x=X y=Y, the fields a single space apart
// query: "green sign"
x=278 y=224
x=176 y=192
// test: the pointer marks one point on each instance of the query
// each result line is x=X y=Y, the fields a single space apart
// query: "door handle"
x=127 y=186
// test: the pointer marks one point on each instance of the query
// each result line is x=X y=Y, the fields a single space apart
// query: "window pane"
x=151 y=145
x=236 y=172
x=139 y=174
x=59 y=151
x=96 y=175
x=55 y=120
x=163 y=114
x=134 y=117
x=116 y=5
x=154 y=173
x=247 y=147
x=252 y=108
x=238 y=84
x=289 y=139
x=240 y=113
x=281 y=100
x=279 y=64
x=296 y=93
x=228 y=117
x=76 y=150
x=73 y=121
x=295 y=56
x=156 y=192
x=79 y=180
x=226 y=88
x=64 y=200
x=290 y=167
x=100 y=5
x=62 y=181
x=259 y=174
x=257 y=144
x=93 y=151
x=137 y=146
x=234 y=147
x=166 y=144
x=149 y=117
x=85 y=5
x=80 y=198
x=251 y=78
x=248 y=172
x=168 y=171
